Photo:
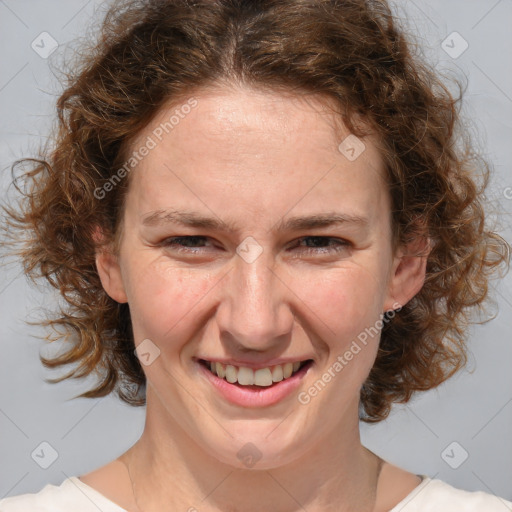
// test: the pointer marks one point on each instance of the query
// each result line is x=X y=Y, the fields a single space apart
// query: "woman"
x=264 y=231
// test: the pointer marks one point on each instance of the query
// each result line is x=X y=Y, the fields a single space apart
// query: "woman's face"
x=255 y=234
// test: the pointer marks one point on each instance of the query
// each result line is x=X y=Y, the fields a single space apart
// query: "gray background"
x=474 y=409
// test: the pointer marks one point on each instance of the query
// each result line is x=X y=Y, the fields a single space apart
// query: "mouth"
x=249 y=378
x=254 y=388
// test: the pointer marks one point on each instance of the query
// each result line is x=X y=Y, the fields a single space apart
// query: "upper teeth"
x=247 y=376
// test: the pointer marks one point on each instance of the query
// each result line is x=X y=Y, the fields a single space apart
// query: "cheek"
x=162 y=300
x=347 y=308
x=170 y=303
x=347 y=301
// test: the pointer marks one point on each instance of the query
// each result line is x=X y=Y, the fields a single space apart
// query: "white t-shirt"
x=430 y=496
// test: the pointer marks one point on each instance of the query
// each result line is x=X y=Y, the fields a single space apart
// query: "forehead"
x=237 y=116
x=260 y=149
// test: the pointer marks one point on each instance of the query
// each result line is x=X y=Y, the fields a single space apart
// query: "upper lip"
x=255 y=364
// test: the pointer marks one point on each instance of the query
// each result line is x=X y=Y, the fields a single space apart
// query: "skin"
x=253 y=158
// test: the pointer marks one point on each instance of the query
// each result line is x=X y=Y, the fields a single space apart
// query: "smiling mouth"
x=262 y=377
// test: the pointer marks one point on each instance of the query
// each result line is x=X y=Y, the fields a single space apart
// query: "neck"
x=169 y=471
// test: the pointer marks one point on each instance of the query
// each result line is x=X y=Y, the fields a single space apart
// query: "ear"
x=109 y=270
x=408 y=273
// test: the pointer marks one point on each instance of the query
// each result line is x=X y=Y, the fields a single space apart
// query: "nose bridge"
x=255 y=311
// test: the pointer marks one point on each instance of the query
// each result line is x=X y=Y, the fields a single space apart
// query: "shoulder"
x=434 y=495
x=71 y=494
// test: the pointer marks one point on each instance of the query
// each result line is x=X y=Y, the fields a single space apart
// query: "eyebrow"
x=299 y=223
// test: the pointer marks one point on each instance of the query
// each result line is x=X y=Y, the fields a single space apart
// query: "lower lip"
x=255 y=396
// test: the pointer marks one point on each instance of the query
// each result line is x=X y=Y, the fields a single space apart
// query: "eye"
x=323 y=244
x=307 y=244
x=189 y=244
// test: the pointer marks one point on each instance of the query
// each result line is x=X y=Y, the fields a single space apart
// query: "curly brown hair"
x=353 y=52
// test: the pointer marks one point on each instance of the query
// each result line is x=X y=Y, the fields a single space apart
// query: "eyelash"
x=340 y=244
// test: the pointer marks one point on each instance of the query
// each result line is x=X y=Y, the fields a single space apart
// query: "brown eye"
x=191 y=244
x=323 y=244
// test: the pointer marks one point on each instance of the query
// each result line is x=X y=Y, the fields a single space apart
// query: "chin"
x=257 y=449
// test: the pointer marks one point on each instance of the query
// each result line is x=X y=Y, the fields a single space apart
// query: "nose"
x=255 y=312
